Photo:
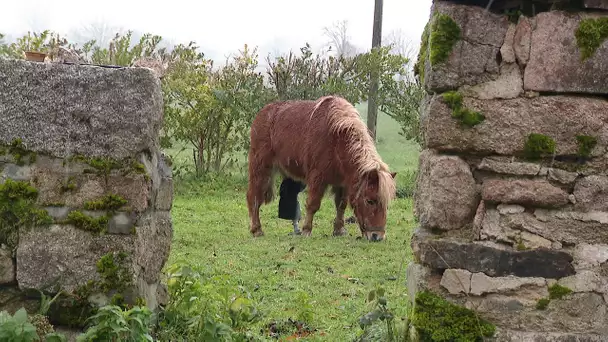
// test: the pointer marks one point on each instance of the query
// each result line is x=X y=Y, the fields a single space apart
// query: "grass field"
x=211 y=230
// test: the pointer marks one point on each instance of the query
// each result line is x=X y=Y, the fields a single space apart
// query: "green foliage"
x=203 y=308
x=407 y=186
x=17 y=328
x=88 y=223
x=542 y=303
x=445 y=33
x=111 y=323
x=557 y=291
x=69 y=185
x=110 y=202
x=467 y=117
x=114 y=272
x=439 y=320
x=590 y=35
x=18 y=210
x=120 y=52
x=586 y=144
x=304 y=308
x=538 y=145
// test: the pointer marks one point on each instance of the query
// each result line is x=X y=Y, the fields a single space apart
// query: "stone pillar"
x=512 y=192
x=84 y=186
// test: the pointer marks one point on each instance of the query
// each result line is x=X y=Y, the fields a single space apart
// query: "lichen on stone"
x=70 y=185
x=586 y=144
x=467 y=117
x=18 y=210
x=81 y=221
x=110 y=202
x=590 y=35
x=423 y=53
x=436 y=319
x=538 y=145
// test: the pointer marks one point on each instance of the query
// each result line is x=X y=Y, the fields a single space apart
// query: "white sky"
x=221 y=26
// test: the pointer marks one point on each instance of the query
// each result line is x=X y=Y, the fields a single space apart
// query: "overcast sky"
x=221 y=26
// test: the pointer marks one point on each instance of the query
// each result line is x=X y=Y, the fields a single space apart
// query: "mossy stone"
x=542 y=303
x=590 y=35
x=87 y=223
x=557 y=291
x=467 y=117
x=436 y=319
x=423 y=53
x=110 y=202
x=19 y=152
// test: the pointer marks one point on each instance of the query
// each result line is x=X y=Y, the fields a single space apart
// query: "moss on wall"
x=538 y=145
x=436 y=319
x=440 y=35
x=467 y=117
x=586 y=144
x=590 y=35
x=18 y=151
x=81 y=221
x=18 y=210
x=110 y=202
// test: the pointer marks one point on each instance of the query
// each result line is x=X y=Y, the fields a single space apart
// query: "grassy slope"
x=211 y=229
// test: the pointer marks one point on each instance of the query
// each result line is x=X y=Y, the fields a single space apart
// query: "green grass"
x=211 y=226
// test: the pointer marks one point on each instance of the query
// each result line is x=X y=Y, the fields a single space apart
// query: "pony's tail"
x=269 y=189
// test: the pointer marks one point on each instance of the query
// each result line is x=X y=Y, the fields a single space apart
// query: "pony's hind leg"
x=260 y=190
x=313 y=204
x=341 y=203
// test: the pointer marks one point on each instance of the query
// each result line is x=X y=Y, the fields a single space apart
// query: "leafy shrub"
x=111 y=323
x=17 y=328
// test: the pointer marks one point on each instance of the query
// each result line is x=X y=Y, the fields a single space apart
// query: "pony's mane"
x=344 y=119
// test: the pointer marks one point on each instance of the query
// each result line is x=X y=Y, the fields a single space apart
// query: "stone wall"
x=512 y=192
x=85 y=194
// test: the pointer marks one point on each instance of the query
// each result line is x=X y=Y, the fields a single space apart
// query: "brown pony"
x=320 y=143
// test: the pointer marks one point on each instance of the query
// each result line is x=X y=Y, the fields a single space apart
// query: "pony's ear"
x=393 y=174
x=372 y=178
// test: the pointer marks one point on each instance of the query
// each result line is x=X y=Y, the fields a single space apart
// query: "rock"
x=164 y=196
x=596 y=4
x=446 y=193
x=121 y=223
x=151 y=63
x=583 y=281
x=491 y=261
x=505 y=209
x=63 y=257
x=456 y=281
x=591 y=194
x=418 y=279
x=560 y=176
x=508 y=85
x=556 y=63
x=478 y=220
x=532 y=241
x=473 y=58
x=134 y=188
x=7 y=267
x=524 y=192
x=153 y=243
x=521 y=336
x=508 y=123
x=522 y=40
x=498 y=165
x=17 y=173
x=576 y=313
x=61 y=109
x=58 y=213
x=491 y=228
x=482 y=284
x=587 y=256
x=554 y=225
x=506 y=51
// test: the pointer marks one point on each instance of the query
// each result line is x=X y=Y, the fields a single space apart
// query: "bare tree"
x=339 y=39
x=401 y=44
x=100 y=31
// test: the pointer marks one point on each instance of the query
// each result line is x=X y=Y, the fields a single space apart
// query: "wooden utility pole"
x=372 y=105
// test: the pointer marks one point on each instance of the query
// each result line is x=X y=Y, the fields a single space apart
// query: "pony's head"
x=370 y=201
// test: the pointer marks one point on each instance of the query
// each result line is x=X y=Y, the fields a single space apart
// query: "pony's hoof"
x=341 y=232
x=257 y=233
x=295 y=233
x=306 y=232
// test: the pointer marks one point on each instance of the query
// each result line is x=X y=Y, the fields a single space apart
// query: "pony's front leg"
x=313 y=204
x=341 y=203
